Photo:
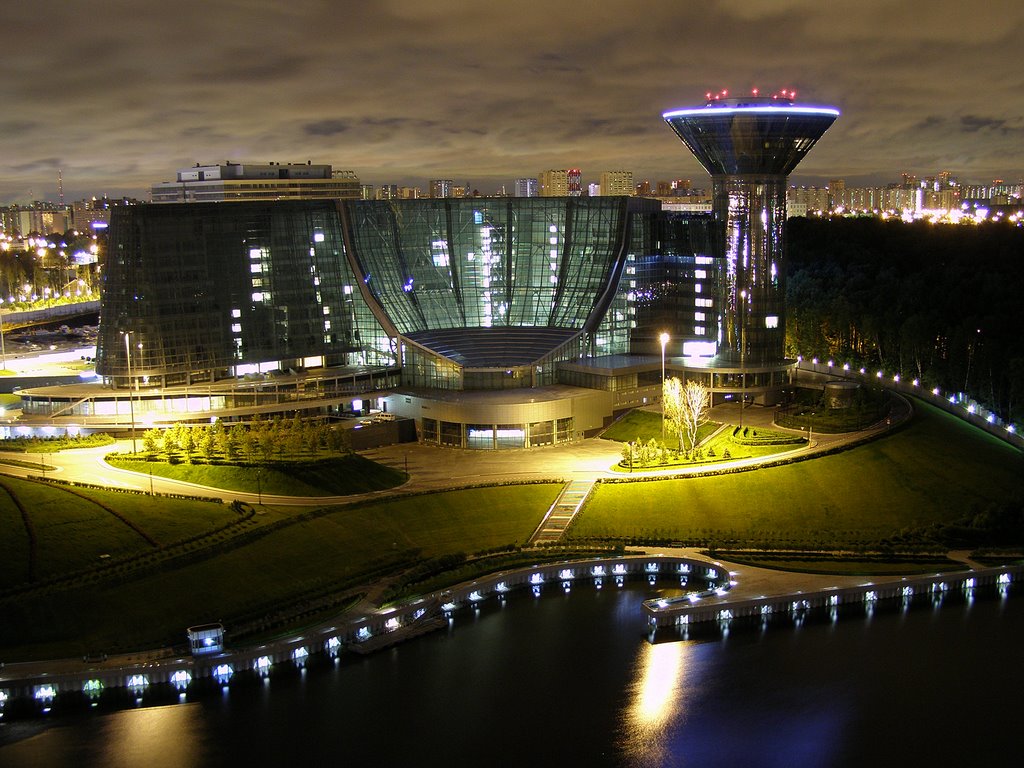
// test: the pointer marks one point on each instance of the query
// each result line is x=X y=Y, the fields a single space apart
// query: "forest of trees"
x=941 y=303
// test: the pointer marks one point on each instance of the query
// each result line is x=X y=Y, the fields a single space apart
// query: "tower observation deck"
x=750 y=145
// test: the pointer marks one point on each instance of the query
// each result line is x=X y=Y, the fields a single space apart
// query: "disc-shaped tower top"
x=753 y=135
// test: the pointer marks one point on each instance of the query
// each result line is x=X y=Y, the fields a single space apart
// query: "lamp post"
x=663 y=338
x=743 y=353
x=3 y=348
x=131 y=397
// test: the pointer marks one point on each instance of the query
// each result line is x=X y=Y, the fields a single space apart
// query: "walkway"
x=562 y=512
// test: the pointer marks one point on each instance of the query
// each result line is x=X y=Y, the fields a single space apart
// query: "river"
x=572 y=679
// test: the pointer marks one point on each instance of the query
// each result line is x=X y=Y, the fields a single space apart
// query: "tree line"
x=940 y=303
x=263 y=440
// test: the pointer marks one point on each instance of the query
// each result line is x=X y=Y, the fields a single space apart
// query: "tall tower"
x=750 y=145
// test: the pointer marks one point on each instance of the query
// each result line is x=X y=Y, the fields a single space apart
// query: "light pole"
x=131 y=398
x=743 y=353
x=663 y=338
x=3 y=348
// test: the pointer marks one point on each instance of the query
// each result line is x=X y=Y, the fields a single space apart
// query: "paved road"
x=429 y=467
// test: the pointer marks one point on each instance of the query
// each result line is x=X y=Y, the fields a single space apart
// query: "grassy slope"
x=644 y=425
x=935 y=469
x=339 y=476
x=276 y=569
x=73 y=532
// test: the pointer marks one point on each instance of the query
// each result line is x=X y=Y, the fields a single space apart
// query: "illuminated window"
x=771 y=321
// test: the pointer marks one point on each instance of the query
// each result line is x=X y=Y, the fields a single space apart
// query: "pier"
x=39 y=684
x=725 y=607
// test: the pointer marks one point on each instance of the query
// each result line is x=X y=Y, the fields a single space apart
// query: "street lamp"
x=743 y=353
x=131 y=397
x=663 y=338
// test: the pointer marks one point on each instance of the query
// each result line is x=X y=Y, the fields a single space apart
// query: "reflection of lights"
x=658 y=687
x=654 y=702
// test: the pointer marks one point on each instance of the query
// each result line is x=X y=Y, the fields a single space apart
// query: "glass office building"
x=206 y=291
x=492 y=322
x=492 y=293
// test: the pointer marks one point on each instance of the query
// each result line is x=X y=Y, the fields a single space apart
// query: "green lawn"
x=337 y=476
x=74 y=533
x=14 y=543
x=932 y=471
x=71 y=532
x=315 y=554
x=643 y=425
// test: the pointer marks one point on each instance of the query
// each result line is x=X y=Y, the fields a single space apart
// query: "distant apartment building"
x=614 y=183
x=235 y=182
x=801 y=200
x=39 y=218
x=441 y=188
x=566 y=182
x=526 y=188
x=94 y=213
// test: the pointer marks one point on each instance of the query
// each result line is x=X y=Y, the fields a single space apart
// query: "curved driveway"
x=429 y=467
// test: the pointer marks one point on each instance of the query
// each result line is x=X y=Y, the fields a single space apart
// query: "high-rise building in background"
x=232 y=182
x=616 y=183
x=526 y=188
x=553 y=183
x=750 y=145
x=441 y=188
x=837 y=196
x=566 y=182
x=574 y=178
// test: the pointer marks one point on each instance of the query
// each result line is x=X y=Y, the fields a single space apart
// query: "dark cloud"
x=932 y=121
x=326 y=127
x=976 y=123
x=123 y=93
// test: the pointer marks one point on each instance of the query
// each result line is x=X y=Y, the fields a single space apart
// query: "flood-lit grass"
x=932 y=471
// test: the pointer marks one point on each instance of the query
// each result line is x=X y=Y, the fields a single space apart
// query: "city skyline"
x=115 y=100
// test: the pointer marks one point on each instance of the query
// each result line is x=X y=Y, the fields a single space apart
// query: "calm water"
x=573 y=680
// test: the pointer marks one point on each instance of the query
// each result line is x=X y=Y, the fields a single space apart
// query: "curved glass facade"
x=750 y=139
x=485 y=263
x=473 y=293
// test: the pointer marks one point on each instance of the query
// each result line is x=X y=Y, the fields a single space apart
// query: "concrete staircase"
x=562 y=512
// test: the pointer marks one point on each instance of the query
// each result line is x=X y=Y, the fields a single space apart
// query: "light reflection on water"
x=157 y=737
x=576 y=681
x=656 y=699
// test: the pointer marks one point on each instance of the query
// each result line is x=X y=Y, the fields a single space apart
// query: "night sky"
x=118 y=95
